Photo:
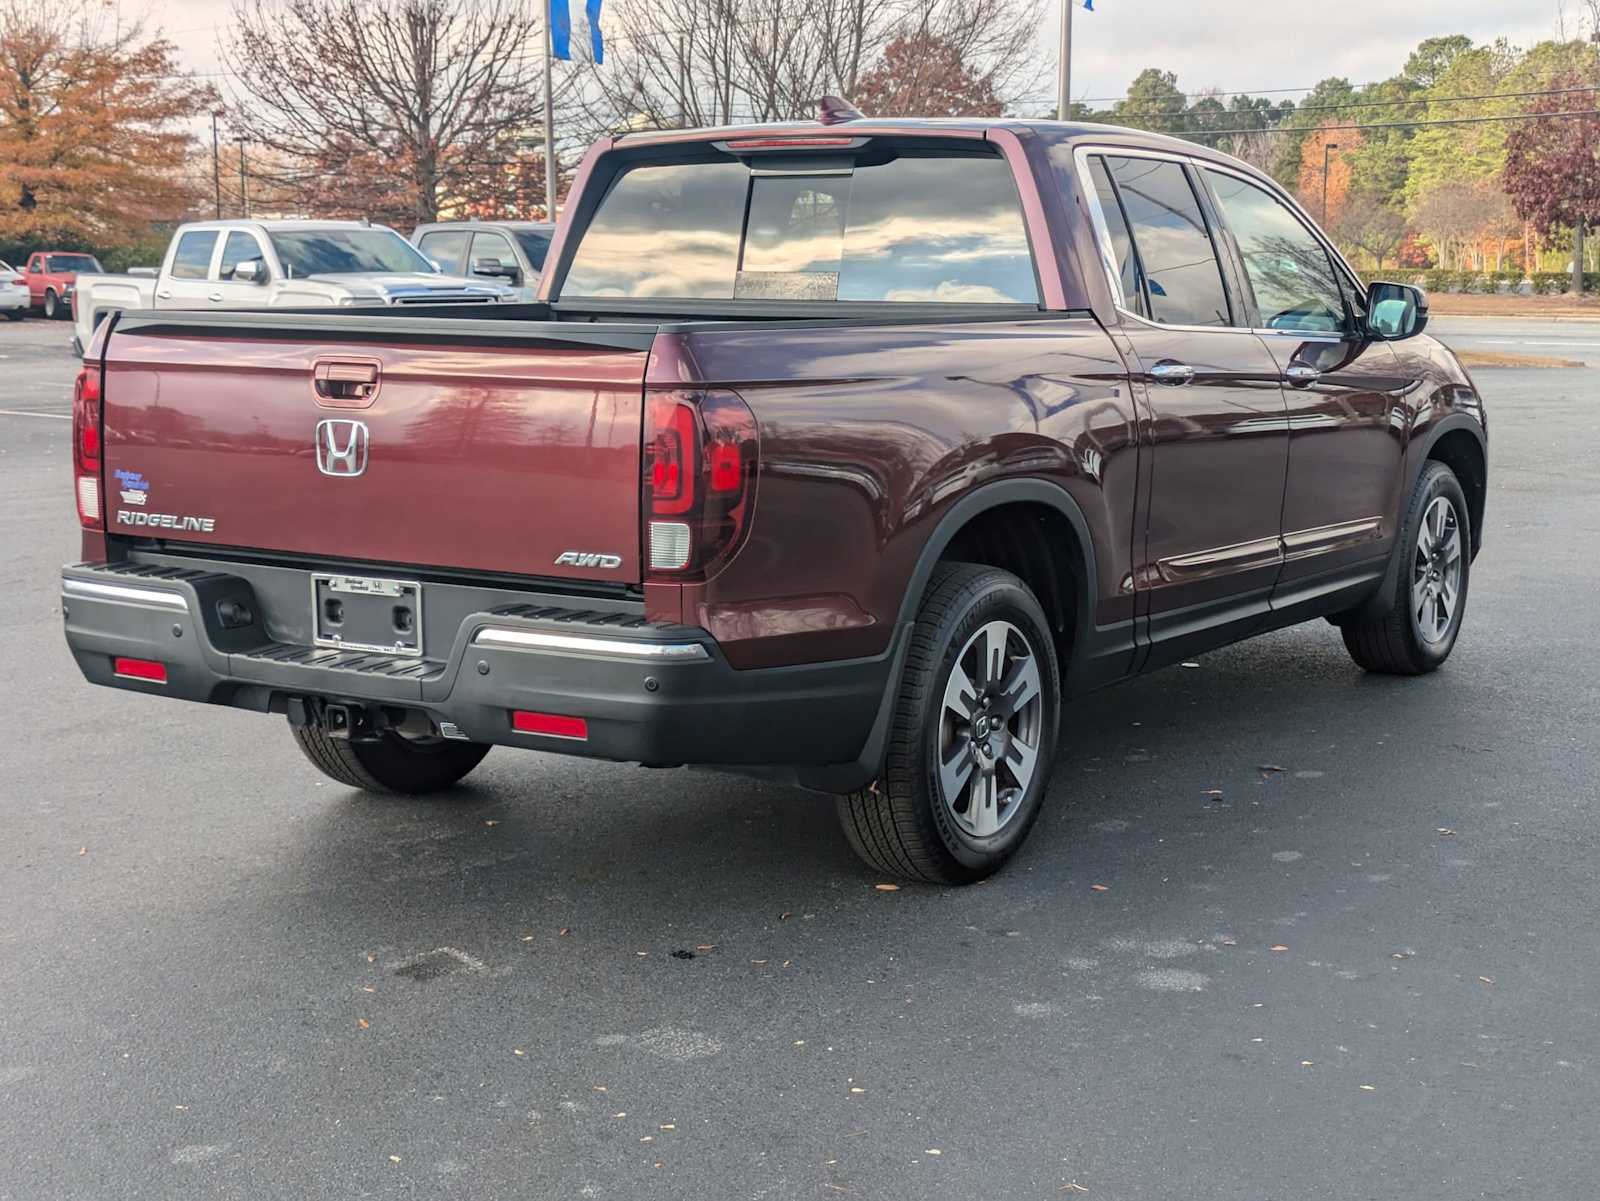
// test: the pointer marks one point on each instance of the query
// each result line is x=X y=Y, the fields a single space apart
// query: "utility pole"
x=244 y=187
x=1326 y=147
x=549 y=121
x=1064 y=63
x=216 y=166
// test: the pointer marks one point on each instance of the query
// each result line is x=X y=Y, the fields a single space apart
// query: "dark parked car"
x=845 y=454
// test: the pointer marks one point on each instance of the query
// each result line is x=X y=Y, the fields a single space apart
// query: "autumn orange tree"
x=92 y=135
x=924 y=75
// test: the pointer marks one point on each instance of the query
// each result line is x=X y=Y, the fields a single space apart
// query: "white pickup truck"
x=278 y=264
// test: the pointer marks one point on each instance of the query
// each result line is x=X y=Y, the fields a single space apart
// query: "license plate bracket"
x=363 y=613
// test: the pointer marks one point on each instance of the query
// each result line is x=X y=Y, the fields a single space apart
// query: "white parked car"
x=279 y=264
x=14 y=300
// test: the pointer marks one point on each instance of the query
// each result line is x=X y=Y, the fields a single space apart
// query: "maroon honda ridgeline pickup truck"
x=842 y=454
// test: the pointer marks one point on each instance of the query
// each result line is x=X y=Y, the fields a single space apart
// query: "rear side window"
x=1174 y=246
x=447 y=247
x=1127 y=263
x=945 y=228
x=193 y=257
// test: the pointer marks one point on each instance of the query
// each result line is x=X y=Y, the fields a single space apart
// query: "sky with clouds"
x=1234 y=45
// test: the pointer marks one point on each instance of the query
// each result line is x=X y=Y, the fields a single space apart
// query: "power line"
x=1420 y=99
x=1582 y=112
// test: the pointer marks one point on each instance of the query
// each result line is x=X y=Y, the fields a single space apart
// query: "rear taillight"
x=86 y=448
x=700 y=458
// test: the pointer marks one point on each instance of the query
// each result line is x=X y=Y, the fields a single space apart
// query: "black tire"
x=902 y=825
x=1395 y=642
x=52 y=307
x=390 y=764
x=14 y=314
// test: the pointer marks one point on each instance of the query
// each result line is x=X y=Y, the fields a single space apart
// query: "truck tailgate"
x=494 y=446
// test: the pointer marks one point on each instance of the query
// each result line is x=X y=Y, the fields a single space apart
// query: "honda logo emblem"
x=341 y=447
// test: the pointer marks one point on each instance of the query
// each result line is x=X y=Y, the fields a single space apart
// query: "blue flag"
x=592 y=11
x=560 y=30
x=1088 y=6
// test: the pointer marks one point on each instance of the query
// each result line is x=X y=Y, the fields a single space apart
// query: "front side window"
x=1174 y=246
x=1289 y=271
x=344 y=251
x=448 y=248
x=492 y=246
x=192 y=260
x=943 y=228
x=239 y=248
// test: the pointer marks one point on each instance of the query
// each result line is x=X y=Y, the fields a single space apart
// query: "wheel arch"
x=1032 y=528
x=1459 y=445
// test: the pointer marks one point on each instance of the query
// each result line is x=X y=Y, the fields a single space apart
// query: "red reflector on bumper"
x=141 y=669
x=552 y=725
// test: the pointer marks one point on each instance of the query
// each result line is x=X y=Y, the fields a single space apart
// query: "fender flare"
x=1417 y=454
x=1007 y=492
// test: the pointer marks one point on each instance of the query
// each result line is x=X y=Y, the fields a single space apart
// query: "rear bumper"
x=649 y=694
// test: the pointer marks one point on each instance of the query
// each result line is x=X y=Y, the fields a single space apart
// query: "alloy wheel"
x=991 y=724
x=1436 y=571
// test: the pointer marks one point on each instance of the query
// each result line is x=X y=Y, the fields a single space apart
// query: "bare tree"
x=1370 y=226
x=709 y=62
x=390 y=109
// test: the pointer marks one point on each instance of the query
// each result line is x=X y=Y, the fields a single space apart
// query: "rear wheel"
x=1418 y=633
x=390 y=763
x=13 y=314
x=973 y=736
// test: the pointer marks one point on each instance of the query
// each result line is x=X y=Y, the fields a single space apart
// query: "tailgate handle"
x=345 y=383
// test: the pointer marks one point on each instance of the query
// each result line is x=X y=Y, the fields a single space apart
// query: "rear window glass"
x=915 y=228
x=82 y=264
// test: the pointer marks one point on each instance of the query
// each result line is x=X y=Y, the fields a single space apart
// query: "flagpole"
x=549 y=122
x=1064 y=63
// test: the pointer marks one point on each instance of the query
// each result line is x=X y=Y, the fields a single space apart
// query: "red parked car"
x=53 y=276
x=854 y=455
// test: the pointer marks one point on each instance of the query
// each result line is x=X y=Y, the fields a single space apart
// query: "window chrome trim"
x=1108 y=262
x=582 y=644
x=123 y=594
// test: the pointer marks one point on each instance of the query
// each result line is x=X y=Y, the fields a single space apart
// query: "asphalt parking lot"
x=1368 y=969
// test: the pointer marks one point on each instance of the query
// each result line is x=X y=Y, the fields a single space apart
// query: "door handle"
x=1301 y=374
x=1172 y=373
x=344 y=383
x=214 y=296
x=164 y=295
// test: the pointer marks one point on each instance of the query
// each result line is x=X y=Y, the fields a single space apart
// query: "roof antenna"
x=833 y=111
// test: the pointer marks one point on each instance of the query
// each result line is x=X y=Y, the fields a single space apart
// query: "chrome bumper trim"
x=584 y=644
x=124 y=594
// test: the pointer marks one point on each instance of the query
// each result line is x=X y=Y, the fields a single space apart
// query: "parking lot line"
x=25 y=413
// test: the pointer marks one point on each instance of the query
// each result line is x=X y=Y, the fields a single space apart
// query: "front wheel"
x=973 y=735
x=52 y=306
x=1419 y=631
x=390 y=763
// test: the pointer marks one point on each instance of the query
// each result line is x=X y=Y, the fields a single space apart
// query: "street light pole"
x=1064 y=63
x=549 y=123
x=1326 y=147
x=216 y=166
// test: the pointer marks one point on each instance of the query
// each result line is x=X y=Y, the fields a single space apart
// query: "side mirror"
x=489 y=266
x=251 y=271
x=1396 y=311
